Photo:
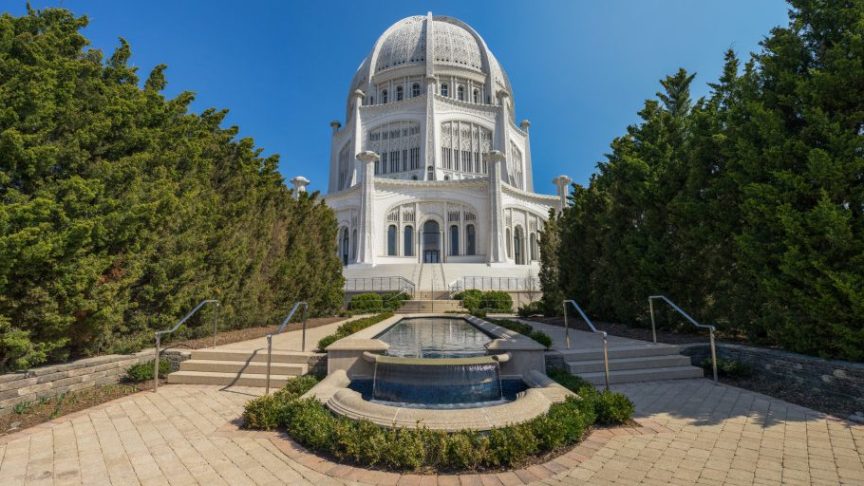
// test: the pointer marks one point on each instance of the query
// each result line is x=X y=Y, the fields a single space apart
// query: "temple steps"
x=240 y=367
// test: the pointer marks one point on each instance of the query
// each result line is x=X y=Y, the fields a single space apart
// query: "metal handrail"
x=710 y=328
x=593 y=329
x=179 y=323
x=279 y=331
x=512 y=283
x=402 y=284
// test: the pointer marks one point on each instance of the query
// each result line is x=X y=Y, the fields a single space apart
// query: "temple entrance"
x=431 y=242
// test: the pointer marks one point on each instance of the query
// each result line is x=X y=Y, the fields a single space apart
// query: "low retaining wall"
x=843 y=379
x=48 y=381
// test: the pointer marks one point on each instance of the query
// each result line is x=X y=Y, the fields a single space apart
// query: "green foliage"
x=140 y=372
x=361 y=442
x=524 y=329
x=350 y=328
x=479 y=302
x=532 y=309
x=728 y=367
x=267 y=411
x=745 y=207
x=120 y=209
x=607 y=407
x=373 y=302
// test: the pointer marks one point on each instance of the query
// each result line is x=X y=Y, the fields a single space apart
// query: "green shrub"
x=608 y=407
x=367 y=302
x=311 y=424
x=531 y=309
x=613 y=408
x=728 y=367
x=470 y=299
x=144 y=371
x=496 y=301
x=350 y=328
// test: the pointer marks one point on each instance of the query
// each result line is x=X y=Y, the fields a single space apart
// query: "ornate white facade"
x=430 y=165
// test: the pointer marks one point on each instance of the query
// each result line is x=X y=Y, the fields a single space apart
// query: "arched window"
x=344 y=246
x=518 y=242
x=399 y=93
x=509 y=244
x=476 y=96
x=533 y=246
x=430 y=173
x=415 y=90
x=445 y=90
x=470 y=240
x=408 y=240
x=391 y=240
x=384 y=96
x=354 y=245
x=460 y=93
x=371 y=100
x=454 y=240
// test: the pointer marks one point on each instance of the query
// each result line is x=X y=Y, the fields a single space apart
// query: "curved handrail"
x=279 y=330
x=176 y=326
x=593 y=329
x=711 y=329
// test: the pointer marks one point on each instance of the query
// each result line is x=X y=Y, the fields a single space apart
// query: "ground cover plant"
x=524 y=329
x=361 y=442
x=375 y=302
x=745 y=206
x=350 y=328
x=144 y=371
x=120 y=209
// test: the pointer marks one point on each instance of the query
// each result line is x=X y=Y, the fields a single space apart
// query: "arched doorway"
x=431 y=242
x=518 y=246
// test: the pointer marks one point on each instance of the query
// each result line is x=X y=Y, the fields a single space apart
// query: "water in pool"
x=446 y=397
x=435 y=337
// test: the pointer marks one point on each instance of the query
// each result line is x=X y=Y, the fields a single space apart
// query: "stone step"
x=637 y=351
x=640 y=375
x=296 y=357
x=236 y=367
x=226 y=379
x=642 y=362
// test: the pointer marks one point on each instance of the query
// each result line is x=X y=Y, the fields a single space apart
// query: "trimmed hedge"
x=535 y=308
x=609 y=407
x=524 y=329
x=350 y=328
x=361 y=442
x=374 y=302
x=478 y=302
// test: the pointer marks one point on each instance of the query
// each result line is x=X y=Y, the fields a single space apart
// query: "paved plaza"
x=693 y=432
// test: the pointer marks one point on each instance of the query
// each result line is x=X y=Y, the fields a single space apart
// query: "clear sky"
x=580 y=70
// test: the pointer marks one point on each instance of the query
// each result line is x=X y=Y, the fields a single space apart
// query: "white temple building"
x=430 y=175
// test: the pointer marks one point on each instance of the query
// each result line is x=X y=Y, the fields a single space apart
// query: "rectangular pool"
x=435 y=337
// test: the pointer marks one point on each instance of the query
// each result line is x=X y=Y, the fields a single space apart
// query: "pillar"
x=366 y=167
x=497 y=250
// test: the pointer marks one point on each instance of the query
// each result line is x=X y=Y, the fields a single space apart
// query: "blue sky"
x=580 y=70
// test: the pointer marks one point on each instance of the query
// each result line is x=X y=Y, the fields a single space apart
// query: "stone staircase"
x=436 y=306
x=240 y=367
x=629 y=364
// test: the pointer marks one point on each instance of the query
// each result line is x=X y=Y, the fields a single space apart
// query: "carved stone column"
x=562 y=183
x=497 y=252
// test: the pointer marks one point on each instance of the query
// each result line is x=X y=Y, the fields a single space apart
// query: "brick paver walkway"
x=694 y=433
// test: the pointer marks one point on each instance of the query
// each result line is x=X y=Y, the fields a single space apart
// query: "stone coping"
x=470 y=360
x=504 y=339
x=333 y=392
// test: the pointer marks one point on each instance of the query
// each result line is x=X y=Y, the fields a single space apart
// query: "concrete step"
x=232 y=379
x=642 y=362
x=640 y=375
x=236 y=367
x=636 y=351
x=295 y=357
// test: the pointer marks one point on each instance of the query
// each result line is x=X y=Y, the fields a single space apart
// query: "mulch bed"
x=28 y=414
x=237 y=335
x=771 y=386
